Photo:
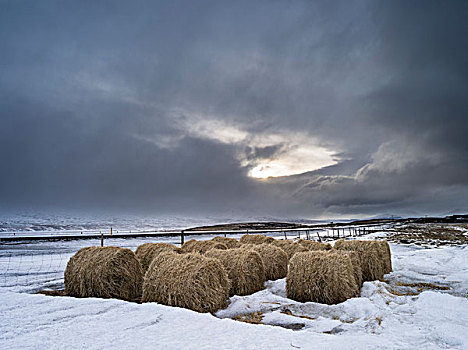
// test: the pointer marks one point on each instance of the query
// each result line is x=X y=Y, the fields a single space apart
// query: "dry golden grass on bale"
x=384 y=248
x=189 y=280
x=356 y=261
x=255 y=239
x=321 y=276
x=104 y=272
x=290 y=247
x=148 y=251
x=244 y=268
x=313 y=245
x=275 y=259
x=201 y=247
x=370 y=254
x=231 y=243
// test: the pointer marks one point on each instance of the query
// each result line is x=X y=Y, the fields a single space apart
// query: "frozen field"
x=422 y=305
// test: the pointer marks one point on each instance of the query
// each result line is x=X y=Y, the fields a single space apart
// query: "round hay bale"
x=290 y=247
x=255 y=239
x=312 y=245
x=372 y=264
x=230 y=243
x=384 y=248
x=275 y=259
x=244 y=268
x=321 y=276
x=356 y=261
x=189 y=280
x=104 y=272
x=148 y=251
x=201 y=247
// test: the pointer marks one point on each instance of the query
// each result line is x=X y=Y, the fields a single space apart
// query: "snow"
x=433 y=319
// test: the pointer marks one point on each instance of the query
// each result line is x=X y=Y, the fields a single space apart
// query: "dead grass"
x=290 y=247
x=188 y=280
x=104 y=272
x=201 y=247
x=254 y=318
x=423 y=285
x=244 y=268
x=255 y=239
x=230 y=243
x=371 y=256
x=275 y=259
x=148 y=251
x=289 y=313
x=431 y=234
x=53 y=293
x=313 y=245
x=356 y=261
x=321 y=276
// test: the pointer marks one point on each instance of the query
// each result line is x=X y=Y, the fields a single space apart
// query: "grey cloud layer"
x=91 y=94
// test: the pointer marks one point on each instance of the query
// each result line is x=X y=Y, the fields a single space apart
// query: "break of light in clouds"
x=312 y=108
x=265 y=154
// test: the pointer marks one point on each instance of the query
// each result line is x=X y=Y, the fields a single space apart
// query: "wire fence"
x=23 y=269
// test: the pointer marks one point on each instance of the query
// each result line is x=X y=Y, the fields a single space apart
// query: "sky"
x=314 y=109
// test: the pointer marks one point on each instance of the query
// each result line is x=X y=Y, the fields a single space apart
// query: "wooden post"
x=285 y=237
x=102 y=240
x=181 y=238
x=111 y=231
x=320 y=240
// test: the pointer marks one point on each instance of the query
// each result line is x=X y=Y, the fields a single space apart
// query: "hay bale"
x=290 y=247
x=189 y=280
x=201 y=247
x=148 y=251
x=104 y=272
x=256 y=239
x=312 y=245
x=356 y=261
x=321 y=276
x=370 y=254
x=275 y=259
x=244 y=268
x=384 y=248
x=230 y=243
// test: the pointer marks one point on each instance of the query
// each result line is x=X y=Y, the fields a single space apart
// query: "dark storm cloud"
x=101 y=103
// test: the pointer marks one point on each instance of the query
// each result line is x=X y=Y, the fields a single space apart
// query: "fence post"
x=181 y=238
x=102 y=240
x=320 y=240
x=285 y=237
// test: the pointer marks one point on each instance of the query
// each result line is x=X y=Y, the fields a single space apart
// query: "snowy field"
x=422 y=305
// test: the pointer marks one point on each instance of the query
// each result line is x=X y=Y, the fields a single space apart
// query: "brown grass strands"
x=231 y=243
x=313 y=245
x=244 y=268
x=188 y=280
x=356 y=261
x=148 y=251
x=290 y=247
x=370 y=254
x=321 y=276
x=274 y=259
x=256 y=239
x=104 y=272
x=384 y=248
x=201 y=247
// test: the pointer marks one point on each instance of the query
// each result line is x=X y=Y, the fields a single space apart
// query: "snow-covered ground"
x=386 y=316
